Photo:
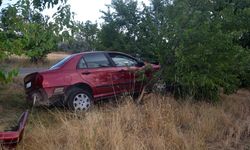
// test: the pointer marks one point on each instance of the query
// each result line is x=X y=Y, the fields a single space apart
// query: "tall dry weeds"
x=159 y=123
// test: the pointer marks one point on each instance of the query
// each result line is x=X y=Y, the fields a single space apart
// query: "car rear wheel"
x=80 y=99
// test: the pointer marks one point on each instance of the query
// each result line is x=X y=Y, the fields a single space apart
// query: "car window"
x=61 y=62
x=122 y=60
x=82 y=64
x=96 y=60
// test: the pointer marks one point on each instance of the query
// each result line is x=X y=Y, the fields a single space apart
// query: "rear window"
x=61 y=62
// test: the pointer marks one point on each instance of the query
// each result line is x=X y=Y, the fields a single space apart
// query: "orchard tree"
x=120 y=27
x=201 y=55
x=84 y=37
x=110 y=37
x=202 y=45
x=20 y=18
x=35 y=34
x=42 y=4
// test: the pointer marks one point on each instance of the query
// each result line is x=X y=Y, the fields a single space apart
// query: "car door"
x=125 y=75
x=95 y=69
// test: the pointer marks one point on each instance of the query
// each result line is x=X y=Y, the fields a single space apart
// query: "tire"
x=79 y=99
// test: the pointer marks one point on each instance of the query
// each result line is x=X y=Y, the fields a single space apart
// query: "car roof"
x=93 y=52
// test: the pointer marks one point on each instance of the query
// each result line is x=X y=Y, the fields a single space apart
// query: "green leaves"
x=6 y=77
x=202 y=45
x=38 y=41
x=119 y=31
x=24 y=30
x=206 y=57
x=27 y=31
x=42 y=4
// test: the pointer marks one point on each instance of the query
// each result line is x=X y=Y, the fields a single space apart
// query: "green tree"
x=20 y=18
x=119 y=32
x=37 y=32
x=109 y=35
x=42 y=4
x=200 y=44
x=85 y=36
x=202 y=56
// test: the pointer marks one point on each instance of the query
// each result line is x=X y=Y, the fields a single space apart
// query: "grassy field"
x=160 y=122
x=22 y=61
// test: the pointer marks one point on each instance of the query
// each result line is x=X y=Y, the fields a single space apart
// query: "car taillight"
x=39 y=80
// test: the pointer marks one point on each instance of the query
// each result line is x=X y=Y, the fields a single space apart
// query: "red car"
x=79 y=79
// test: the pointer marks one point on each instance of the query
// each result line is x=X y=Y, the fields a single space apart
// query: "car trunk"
x=32 y=82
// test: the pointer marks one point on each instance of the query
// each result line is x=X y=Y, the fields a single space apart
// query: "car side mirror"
x=140 y=64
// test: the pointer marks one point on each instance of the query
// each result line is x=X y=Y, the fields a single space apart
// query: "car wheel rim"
x=81 y=102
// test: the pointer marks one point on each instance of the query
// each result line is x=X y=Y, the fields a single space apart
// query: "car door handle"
x=85 y=73
x=122 y=70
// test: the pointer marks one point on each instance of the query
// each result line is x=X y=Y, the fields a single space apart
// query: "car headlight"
x=28 y=85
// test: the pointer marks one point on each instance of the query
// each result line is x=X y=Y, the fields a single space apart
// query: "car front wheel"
x=79 y=100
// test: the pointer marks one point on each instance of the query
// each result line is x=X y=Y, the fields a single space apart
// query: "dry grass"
x=57 y=55
x=22 y=61
x=11 y=102
x=160 y=123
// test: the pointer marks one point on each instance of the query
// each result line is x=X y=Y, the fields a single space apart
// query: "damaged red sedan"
x=80 y=79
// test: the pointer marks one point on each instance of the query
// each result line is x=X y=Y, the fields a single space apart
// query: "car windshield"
x=61 y=62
